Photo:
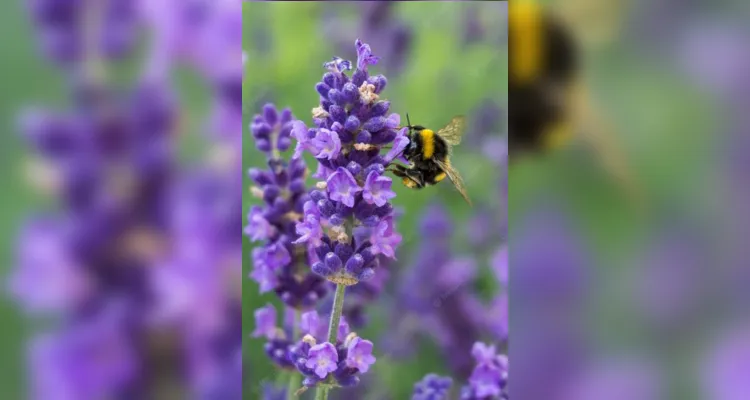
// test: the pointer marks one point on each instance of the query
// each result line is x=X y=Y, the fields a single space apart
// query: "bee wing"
x=454 y=131
x=455 y=177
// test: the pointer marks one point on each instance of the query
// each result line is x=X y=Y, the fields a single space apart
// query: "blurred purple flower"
x=359 y=354
x=47 y=277
x=265 y=322
x=432 y=387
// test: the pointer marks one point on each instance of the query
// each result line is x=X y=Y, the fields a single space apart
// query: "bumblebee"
x=548 y=101
x=542 y=75
x=428 y=153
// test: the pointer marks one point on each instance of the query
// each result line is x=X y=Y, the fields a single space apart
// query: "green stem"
x=333 y=330
x=321 y=394
x=338 y=308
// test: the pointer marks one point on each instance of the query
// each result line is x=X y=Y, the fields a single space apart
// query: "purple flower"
x=328 y=144
x=500 y=265
x=364 y=55
x=385 y=239
x=359 y=354
x=399 y=144
x=490 y=376
x=310 y=230
x=310 y=323
x=258 y=227
x=484 y=354
x=338 y=64
x=266 y=277
x=343 y=329
x=432 y=387
x=265 y=322
x=342 y=187
x=485 y=381
x=304 y=142
x=323 y=359
x=378 y=189
x=48 y=278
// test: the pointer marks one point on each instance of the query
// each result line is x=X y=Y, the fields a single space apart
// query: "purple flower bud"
x=364 y=137
x=379 y=81
x=325 y=207
x=333 y=262
x=270 y=114
x=283 y=143
x=321 y=269
x=359 y=77
x=329 y=79
x=336 y=97
x=317 y=195
x=260 y=130
x=351 y=124
x=297 y=186
x=343 y=251
x=350 y=93
x=286 y=116
x=366 y=274
x=337 y=113
x=270 y=193
x=263 y=145
x=378 y=169
x=322 y=89
x=336 y=219
x=354 y=264
x=354 y=168
x=375 y=124
x=380 y=108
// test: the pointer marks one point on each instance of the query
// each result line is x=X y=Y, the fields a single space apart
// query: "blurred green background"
x=26 y=79
x=442 y=76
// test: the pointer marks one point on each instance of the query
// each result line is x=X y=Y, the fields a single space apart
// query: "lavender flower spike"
x=352 y=205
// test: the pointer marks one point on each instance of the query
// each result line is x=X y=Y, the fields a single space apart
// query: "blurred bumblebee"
x=542 y=69
x=548 y=102
x=428 y=153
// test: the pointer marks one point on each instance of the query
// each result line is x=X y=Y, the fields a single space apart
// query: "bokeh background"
x=441 y=60
x=623 y=291
x=150 y=115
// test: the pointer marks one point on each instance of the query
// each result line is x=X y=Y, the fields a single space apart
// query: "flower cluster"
x=432 y=387
x=342 y=361
x=281 y=260
x=348 y=222
x=434 y=297
x=489 y=380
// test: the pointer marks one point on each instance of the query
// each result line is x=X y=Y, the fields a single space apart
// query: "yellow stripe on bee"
x=439 y=177
x=526 y=30
x=428 y=143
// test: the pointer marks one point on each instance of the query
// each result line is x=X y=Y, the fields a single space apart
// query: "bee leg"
x=411 y=178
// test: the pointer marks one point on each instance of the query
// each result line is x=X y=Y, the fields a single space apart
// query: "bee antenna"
x=407 y=120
